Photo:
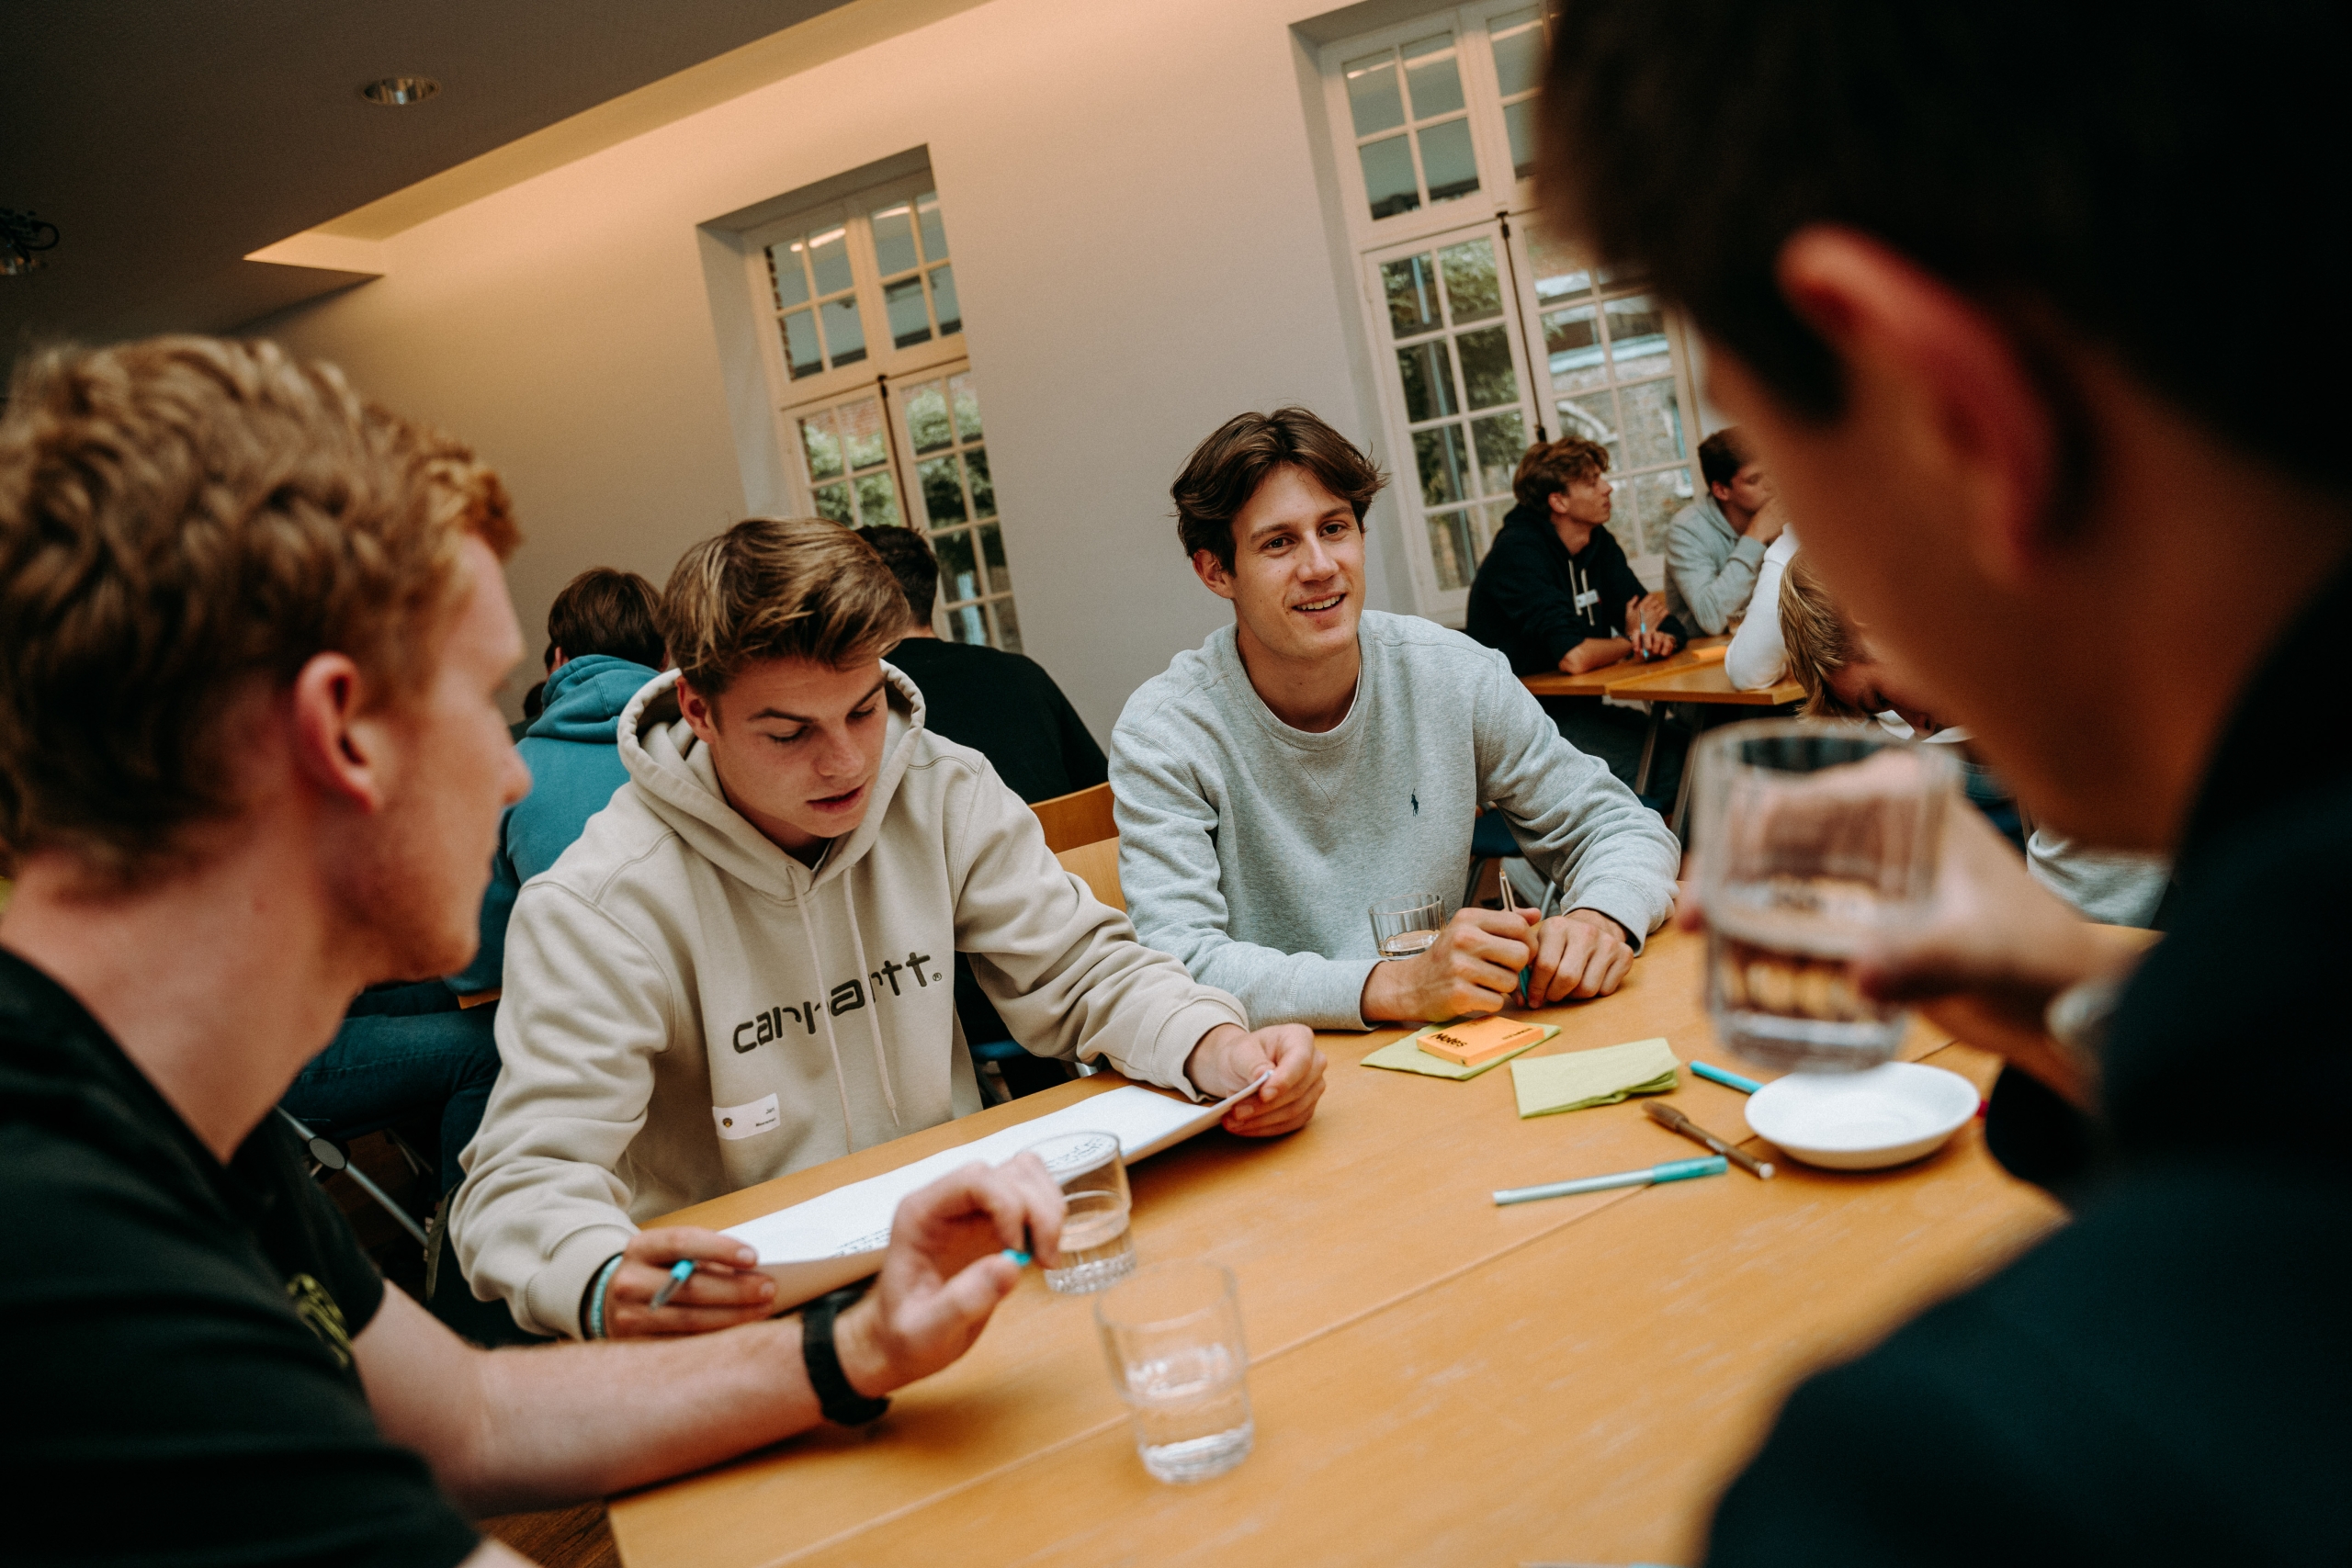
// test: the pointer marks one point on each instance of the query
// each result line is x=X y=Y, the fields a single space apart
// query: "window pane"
x=958 y=573
x=942 y=300
x=1427 y=373
x=844 y=332
x=785 y=270
x=1637 y=334
x=1560 y=270
x=801 y=350
x=863 y=440
x=1498 y=440
x=1653 y=423
x=1411 y=287
x=966 y=399
x=1444 y=460
x=1518 y=50
x=943 y=492
x=1432 y=77
x=976 y=471
x=992 y=557
x=902 y=302
x=821 y=445
x=833 y=504
x=1657 y=497
x=829 y=258
x=1448 y=160
x=894 y=239
x=1487 y=373
x=1470 y=291
x=1008 y=625
x=877 y=500
x=1519 y=119
x=1594 y=417
x=927 y=417
x=934 y=229
x=1388 y=181
x=1449 y=549
x=967 y=625
x=1373 y=96
x=1572 y=343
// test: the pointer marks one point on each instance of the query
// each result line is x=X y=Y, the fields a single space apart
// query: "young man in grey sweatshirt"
x=1315 y=757
x=1715 y=545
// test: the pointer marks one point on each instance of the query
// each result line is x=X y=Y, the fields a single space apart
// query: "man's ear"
x=699 y=712
x=1214 y=575
x=342 y=747
x=1952 y=389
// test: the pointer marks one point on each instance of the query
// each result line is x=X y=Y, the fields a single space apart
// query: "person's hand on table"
x=1642 y=618
x=1472 y=967
x=945 y=1270
x=1227 y=1058
x=1582 y=954
x=724 y=1289
x=1594 y=653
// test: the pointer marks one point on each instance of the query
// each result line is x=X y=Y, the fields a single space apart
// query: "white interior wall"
x=1141 y=250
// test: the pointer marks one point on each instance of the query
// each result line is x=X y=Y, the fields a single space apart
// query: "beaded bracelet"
x=596 y=1288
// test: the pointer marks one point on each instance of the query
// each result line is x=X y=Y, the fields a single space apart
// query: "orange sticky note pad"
x=1481 y=1039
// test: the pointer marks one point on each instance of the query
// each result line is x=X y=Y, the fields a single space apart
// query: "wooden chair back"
x=1077 y=820
x=1097 y=865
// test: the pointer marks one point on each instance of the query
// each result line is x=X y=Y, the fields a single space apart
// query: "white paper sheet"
x=825 y=1243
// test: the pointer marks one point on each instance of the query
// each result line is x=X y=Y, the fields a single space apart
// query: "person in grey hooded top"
x=741 y=968
x=1315 y=757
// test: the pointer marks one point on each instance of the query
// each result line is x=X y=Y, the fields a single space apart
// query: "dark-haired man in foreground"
x=1317 y=757
x=1927 y=245
x=294 y=792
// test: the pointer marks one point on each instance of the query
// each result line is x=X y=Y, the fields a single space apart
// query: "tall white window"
x=876 y=404
x=1488 y=334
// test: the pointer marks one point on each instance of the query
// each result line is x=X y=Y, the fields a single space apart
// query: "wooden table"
x=1695 y=655
x=1435 y=1379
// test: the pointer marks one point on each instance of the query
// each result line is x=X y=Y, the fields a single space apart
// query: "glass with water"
x=1097 y=1249
x=1404 y=927
x=1814 y=839
x=1174 y=1337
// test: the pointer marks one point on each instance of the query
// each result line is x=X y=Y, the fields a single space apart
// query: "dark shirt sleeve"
x=1529 y=609
x=153 y=1349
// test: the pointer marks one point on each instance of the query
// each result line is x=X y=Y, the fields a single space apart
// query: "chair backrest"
x=1097 y=865
x=1077 y=820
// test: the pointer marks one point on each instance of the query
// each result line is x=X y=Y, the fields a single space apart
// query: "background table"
x=1435 y=1379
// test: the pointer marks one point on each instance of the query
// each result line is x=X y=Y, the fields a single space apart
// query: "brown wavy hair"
x=1226 y=470
x=779 y=588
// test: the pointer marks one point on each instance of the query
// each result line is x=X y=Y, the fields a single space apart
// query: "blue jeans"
x=383 y=1070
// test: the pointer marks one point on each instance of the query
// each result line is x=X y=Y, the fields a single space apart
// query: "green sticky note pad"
x=1576 y=1080
x=1406 y=1055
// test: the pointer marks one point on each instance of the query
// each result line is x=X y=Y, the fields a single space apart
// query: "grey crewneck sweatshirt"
x=1252 y=851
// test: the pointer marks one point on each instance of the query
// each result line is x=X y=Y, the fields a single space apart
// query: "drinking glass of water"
x=1174 y=1337
x=1814 y=839
x=1097 y=1250
x=1404 y=927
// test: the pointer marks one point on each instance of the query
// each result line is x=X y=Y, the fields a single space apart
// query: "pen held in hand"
x=1673 y=1120
x=680 y=1273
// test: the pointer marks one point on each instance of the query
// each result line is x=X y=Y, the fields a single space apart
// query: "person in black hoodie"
x=1556 y=594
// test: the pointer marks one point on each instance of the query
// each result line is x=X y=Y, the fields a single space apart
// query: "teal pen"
x=680 y=1273
x=1673 y=1170
x=1510 y=906
x=1729 y=1080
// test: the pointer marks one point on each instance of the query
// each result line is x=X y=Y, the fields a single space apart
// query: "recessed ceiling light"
x=393 y=91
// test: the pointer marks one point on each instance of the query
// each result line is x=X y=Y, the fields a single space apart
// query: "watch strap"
x=841 y=1404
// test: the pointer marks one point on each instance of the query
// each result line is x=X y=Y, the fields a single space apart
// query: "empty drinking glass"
x=1814 y=839
x=1097 y=1249
x=1404 y=927
x=1174 y=1337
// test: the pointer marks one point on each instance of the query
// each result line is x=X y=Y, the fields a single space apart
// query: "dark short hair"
x=1721 y=455
x=908 y=557
x=1226 y=470
x=607 y=611
x=1550 y=467
x=2034 y=153
x=778 y=588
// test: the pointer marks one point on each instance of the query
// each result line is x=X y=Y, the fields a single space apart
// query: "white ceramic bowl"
x=1863 y=1121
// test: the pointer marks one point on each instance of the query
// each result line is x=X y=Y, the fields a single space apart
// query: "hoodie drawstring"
x=873 y=1004
x=816 y=968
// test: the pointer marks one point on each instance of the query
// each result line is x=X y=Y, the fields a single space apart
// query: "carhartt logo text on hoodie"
x=847 y=997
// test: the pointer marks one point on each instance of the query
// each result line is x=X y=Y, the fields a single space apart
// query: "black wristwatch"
x=842 y=1405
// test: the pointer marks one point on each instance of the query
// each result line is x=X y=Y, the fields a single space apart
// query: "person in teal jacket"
x=411 y=1055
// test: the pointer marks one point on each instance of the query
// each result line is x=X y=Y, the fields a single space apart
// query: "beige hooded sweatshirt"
x=689 y=1010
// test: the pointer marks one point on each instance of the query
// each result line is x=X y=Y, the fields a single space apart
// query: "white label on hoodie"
x=748 y=1119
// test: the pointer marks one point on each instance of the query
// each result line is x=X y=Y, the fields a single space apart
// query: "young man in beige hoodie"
x=743 y=966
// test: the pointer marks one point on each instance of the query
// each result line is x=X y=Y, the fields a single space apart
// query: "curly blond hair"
x=1819 y=640
x=181 y=519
